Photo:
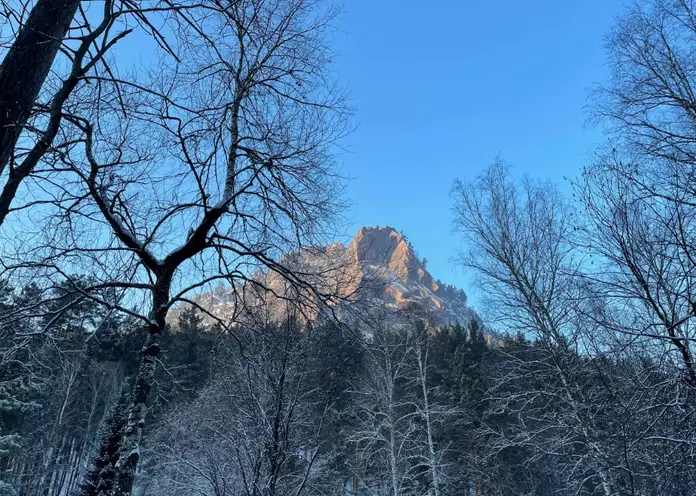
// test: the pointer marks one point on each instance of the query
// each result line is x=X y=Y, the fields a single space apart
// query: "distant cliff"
x=379 y=268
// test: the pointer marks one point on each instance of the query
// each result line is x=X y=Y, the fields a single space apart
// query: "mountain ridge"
x=379 y=268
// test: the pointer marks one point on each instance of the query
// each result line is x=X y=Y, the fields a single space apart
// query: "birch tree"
x=432 y=412
x=520 y=244
x=398 y=417
x=640 y=195
x=639 y=201
x=385 y=436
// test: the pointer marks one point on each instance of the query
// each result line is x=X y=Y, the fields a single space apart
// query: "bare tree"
x=649 y=100
x=386 y=430
x=258 y=425
x=432 y=414
x=520 y=245
x=639 y=202
x=35 y=99
x=644 y=269
x=640 y=197
x=220 y=165
x=397 y=417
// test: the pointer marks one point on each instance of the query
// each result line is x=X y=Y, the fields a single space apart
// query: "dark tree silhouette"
x=26 y=65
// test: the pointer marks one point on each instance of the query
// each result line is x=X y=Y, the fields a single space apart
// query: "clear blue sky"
x=443 y=87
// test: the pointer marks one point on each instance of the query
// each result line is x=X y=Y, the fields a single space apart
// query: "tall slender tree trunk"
x=26 y=65
x=423 y=379
x=393 y=449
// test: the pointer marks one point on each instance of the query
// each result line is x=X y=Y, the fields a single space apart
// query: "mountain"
x=385 y=255
x=379 y=268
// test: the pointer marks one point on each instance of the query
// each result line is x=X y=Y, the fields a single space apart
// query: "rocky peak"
x=386 y=247
x=375 y=245
x=380 y=266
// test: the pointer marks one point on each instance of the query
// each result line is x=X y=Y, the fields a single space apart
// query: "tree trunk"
x=423 y=378
x=129 y=449
x=26 y=65
x=132 y=434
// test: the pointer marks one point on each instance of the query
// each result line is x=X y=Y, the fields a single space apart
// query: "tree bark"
x=423 y=378
x=26 y=65
x=129 y=450
x=133 y=431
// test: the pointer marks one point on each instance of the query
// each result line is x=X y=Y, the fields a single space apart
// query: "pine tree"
x=190 y=345
x=99 y=480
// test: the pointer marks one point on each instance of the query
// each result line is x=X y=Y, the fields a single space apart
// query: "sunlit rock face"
x=377 y=271
x=386 y=255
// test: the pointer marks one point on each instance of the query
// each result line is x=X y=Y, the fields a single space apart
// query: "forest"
x=137 y=189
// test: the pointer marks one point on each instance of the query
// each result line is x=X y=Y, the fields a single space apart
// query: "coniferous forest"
x=177 y=317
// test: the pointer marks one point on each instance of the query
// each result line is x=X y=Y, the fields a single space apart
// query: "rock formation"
x=378 y=269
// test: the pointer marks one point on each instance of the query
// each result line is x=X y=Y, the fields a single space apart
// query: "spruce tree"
x=100 y=479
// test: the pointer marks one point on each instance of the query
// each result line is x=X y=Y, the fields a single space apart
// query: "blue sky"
x=443 y=87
